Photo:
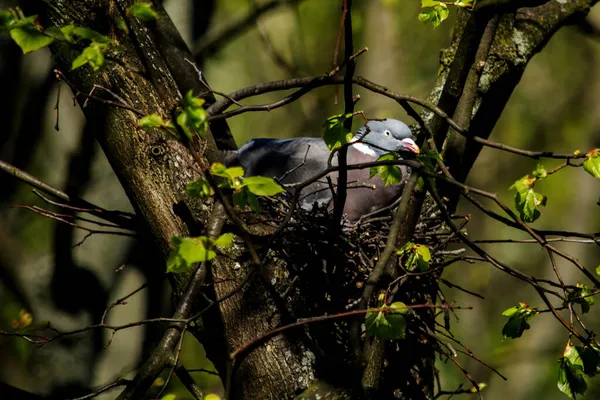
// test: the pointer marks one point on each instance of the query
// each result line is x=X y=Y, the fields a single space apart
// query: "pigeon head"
x=380 y=137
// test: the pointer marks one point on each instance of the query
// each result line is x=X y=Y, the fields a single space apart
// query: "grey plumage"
x=296 y=160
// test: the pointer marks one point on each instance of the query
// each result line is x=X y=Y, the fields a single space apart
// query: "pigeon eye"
x=387 y=133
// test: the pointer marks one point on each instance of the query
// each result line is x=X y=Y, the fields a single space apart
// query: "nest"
x=326 y=273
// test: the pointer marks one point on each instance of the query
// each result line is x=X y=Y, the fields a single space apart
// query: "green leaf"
x=219 y=169
x=429 y=158
x=386 y=325
x=424 y=254
x=443 y=13
x=598 y=270
x=429 y=3
x=540 y=172
x=262 y=186
x=581 y=295
x=187 y=251
x=225 y=240
x=243 y=198
x=121 y=24
x=518 y=318
x=154 y=121
x=590 y=356
x=418 y=256
x=464 y=3
x=200 y=188
x=193 y=115
x=435 y=15
x=571 y=380
x=389 y=174
x=169 y=396
x=7 y=19
x=235 y=172
x=182 y=121
x=87 y=33
x=335 y=134
x=143 y=11
x=30 y=39
x=90 y=55
x=592 y=164
x=240 y=199
x=527 y=201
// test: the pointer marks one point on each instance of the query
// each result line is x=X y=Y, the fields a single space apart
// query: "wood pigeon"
x=296 y=160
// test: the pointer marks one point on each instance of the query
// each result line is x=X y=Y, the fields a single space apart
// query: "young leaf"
x=540 y=172
x=193 y=115
x=571 y=380
x=182 y=121
x=592 y=164
x=235 y=172
x=582 y=296
x=153 y=121
x=527 y=201
x=225 y=240
x=142 y=10
x=518 y=318
x=218 y=169
x=93 y=55
x=87 y=33
x=389 y=174
x=386 y=325
x=30 y=39
x=199 y=188
x=418 y=256
x=429 y=3
x=187 y=251
x=335 y=134
x=436 y=14
x=262 y=186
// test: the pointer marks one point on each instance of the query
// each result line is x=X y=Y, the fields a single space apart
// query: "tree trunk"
x=149 y=72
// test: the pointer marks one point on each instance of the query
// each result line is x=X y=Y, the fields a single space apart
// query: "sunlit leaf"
x=335 y=134
x=527 y=201
x=387 y=325
x=417 y=256
x=153 y=121
x=187 y=251
x=219 y=169
x=592 y=164
x=518 y=318
x=389 y=174
x=434 y=15
x=540 y=172
x=262 y=186
x=30 y=39
x=225 y=240
x=429 y=3
x=182 y=121
x=571 y=380
x=142 y=10
x=93 y=55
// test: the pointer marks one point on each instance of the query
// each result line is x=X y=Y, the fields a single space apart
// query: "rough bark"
x=519 y=36
x=149 y=72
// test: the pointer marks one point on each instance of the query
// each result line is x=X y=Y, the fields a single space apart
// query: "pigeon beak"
x=411 y=146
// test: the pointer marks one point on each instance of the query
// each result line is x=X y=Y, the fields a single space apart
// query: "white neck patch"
x=365 y=149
